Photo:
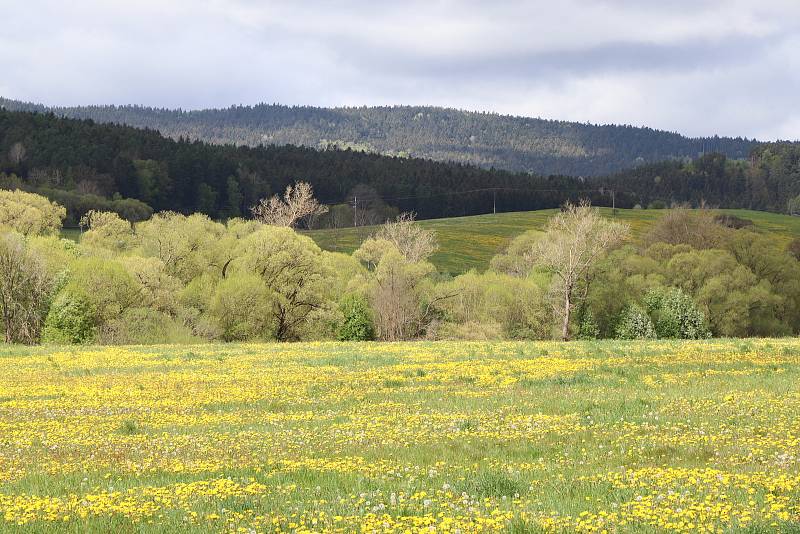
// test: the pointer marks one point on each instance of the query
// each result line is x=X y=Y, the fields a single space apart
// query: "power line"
x=600 y=191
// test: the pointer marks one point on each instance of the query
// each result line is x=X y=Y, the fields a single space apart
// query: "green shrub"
x=587 y=326
x=108 y=287
x=242 y=307
x=634 y=323
x=793 y=248
x=470 y=331
x=357 y=324
x=71 y=319
x=676 y=315
x=144 y=326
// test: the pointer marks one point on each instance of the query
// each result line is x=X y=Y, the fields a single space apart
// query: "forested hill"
x=79 y=163
x=84 y=165
x=484 y=139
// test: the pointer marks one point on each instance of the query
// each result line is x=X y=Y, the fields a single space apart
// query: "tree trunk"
x=7 y=323
x=567 y=309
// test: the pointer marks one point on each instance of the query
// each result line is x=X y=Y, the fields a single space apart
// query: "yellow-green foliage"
x=199 y=276
x=108 y=230
x=494 y=306
x=187 y=245
x=242 y=306
x=624 y=437
x=29 y=214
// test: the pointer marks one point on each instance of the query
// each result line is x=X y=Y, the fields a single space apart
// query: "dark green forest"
x=520 y=144
x=769 y=180
x=77 y=162
x=84 y=165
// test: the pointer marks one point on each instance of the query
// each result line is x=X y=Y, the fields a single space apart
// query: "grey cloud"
x=610 y=58
x=700 y=67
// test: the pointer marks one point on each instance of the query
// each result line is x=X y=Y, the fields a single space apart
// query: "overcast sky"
x=699 y=67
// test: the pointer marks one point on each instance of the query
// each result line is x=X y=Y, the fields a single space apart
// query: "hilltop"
x=521 y=144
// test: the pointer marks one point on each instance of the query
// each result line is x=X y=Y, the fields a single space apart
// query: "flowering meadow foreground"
x=444 y=437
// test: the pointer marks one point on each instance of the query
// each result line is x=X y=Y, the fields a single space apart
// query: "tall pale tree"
x=575 y=240
x=414 y=242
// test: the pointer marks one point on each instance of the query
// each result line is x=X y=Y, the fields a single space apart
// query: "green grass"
x=512 y=436
x=471 y=242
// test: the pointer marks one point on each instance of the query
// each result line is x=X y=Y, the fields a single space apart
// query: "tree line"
x=87 y=166
x=140 y=168
x=186 y=278
x=768 y=180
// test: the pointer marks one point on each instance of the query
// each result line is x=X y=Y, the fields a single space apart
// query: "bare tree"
x=88 y=187
x=395 y=304
x=574 y=241
x=398 y=297
x=298 y=203
x=45 y=177
x=414 y=243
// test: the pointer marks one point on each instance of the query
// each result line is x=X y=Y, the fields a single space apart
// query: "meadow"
x=471 y=242
x=402 y=437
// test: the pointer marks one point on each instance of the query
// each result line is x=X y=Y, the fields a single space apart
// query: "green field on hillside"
x=471 y=242
x=659 y=436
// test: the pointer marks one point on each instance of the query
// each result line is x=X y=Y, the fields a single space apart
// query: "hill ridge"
x=484 y=138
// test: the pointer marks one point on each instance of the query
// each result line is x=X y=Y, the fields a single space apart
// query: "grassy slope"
x=471 y=242
x=624 y=436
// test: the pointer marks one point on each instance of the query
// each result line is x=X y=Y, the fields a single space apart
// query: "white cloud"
x=696 y=66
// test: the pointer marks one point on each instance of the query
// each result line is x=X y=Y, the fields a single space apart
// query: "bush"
x=517 y=306
x=793 y=248
x=470 y=331
x=71 y=319
x=357 y=324
x=634 y=323
x=242 y=308
x=676 y=315
x=144 y=326
x=587 y=326
x=108 y=286
x=732 y=221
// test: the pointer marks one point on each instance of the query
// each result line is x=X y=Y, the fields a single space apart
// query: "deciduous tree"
x=414 y=242
x=25 y=289
x=298 y=203
x=575 y=240
x=30 y=214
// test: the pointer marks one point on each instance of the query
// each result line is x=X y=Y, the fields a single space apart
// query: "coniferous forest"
x=487 y=140
x=85 y=165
